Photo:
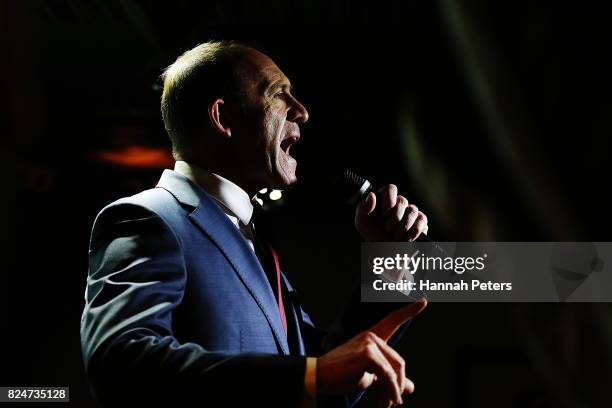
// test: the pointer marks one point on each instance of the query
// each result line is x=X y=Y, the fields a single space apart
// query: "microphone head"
x=351 y=187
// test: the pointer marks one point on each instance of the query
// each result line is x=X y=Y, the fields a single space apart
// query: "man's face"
x=271 y=125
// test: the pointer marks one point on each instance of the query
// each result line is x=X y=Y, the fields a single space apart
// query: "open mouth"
x=287 y=143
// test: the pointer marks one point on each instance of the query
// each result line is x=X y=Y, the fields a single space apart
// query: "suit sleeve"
x=136 y=279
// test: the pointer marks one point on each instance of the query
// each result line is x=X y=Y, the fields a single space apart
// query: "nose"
x=297 y=112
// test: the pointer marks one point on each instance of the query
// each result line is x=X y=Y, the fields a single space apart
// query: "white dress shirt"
x=233 y=200
x=238 y=207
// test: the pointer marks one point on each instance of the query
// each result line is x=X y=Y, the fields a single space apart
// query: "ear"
x=218 y=119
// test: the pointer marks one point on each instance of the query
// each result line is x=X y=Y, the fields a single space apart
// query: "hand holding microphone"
x=383 y=215
x=399 y=220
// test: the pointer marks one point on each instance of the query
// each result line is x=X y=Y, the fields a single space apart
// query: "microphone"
x=352 y=189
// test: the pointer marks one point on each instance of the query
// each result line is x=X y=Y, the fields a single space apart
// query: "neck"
x=233 y=173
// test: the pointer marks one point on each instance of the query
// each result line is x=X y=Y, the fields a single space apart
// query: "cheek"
x=273 y=123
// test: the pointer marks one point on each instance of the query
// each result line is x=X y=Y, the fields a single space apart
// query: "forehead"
x=261 y=72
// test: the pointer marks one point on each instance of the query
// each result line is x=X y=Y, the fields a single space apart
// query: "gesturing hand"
x=399 y=220
x=367 y=359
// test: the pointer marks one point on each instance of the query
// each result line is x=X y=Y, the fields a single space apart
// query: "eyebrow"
x=281 y=83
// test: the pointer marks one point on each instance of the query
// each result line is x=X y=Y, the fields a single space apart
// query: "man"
x=185 y=303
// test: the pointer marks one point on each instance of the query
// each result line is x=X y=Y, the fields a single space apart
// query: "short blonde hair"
x=197 y=77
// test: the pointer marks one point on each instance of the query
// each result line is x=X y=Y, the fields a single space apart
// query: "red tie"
x=260 y=247
x=281 y=307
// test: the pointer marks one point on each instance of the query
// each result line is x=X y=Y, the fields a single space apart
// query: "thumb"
x=389 y=325
x=367 y=206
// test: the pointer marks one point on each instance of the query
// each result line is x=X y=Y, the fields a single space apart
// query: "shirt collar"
x=233 y=198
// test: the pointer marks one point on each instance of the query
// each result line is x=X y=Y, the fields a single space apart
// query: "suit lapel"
x=292 y=307
x=209 y=217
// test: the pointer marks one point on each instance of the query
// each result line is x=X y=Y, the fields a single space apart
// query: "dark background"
x=494 y=117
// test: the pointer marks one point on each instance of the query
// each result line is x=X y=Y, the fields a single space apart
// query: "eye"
x=279 y=94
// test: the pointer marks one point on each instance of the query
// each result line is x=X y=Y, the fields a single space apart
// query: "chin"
x=284 y=183
x=291 y=183
x=284 y=179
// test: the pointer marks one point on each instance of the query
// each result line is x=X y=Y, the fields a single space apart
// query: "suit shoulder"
x=153 y=204
x=154 y=201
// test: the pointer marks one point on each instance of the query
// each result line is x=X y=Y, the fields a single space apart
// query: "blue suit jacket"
x=179 y=311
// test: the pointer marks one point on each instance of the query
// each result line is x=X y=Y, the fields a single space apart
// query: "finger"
x=389 y=325
x=364 y=210
x=384 y=372
x=396 y=361
x=418 y=227
x=408 y=386
x=367 y=206
x=395 y=214
x=366 y=381
x=389 y=196
x=410 y=216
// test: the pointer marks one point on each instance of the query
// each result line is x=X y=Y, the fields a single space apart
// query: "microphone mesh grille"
x=349 y=184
